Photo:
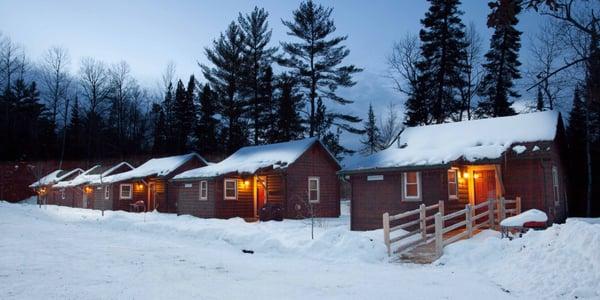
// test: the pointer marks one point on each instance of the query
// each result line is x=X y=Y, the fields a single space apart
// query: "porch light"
x=140 y=186
x=246 y=182
x=466 y=175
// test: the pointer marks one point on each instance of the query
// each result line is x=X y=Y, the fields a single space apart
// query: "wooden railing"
x=432 y=221
x=421 y=218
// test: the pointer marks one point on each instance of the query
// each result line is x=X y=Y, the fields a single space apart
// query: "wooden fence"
x=469 y=219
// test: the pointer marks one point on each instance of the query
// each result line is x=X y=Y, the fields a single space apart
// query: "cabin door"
x=485 y=185
x=261 y=193
x=84 y=203
x=151 y=205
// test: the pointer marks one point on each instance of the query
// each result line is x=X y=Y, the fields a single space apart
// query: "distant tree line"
x=100 y=111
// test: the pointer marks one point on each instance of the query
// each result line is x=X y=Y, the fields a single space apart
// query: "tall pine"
x=502 y=60
x=288 y=121
x=315 y=59
x=372 y=137
x=207 y=127
x=576 y=137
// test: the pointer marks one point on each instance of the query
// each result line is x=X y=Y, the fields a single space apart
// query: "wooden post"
x=441 y=207
x=422 y=223
x=439 y=241
x=469 y=219
x=502 y=209
x=491 y=212
x=518 y=205
x=386 y=232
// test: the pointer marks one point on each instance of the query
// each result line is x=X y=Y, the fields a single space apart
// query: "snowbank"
x=560 y=262
x=532 y=215
x=472 y=140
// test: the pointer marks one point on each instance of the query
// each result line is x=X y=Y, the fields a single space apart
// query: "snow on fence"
x=470 y=220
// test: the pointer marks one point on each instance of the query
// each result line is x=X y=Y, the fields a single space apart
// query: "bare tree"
x=94 y=80
x=168 y=75
x=390 y=125
x=12 y=61
x=402 y=64
x=473 y=70
x=55 y=77
x=121 y=88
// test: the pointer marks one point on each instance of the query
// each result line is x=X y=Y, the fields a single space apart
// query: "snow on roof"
x=251 y=159
x=90 y=175
x=470 y=140
x=154 y=167
x=46 y=180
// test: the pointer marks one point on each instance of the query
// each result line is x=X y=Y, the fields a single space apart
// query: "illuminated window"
x=230 y=188
x=555 y=186
x=314 y=189
x=106 y=193
x=452 y=184
x=411 y=186
x=203 y=190
x=125 y=191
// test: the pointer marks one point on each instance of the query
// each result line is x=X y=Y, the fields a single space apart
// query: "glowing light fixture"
x=466 y=175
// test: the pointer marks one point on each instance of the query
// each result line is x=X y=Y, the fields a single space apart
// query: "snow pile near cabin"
x=250 y=159
x=472 y=140
x=532 y=215
x=154 y=167
x=561 y=262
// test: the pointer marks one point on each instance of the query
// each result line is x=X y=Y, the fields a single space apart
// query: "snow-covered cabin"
x=148 y=183
x=77 y=191
x=463 y=162
x=290 y=174
x=44 y=186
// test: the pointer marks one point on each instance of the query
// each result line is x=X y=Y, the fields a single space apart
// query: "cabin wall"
x=275 y=188
x=371 y=199
x=168 y=196
x=242 y=207
x=100 y=202
x=138 y=195
x=189 y=202
x=313 y=162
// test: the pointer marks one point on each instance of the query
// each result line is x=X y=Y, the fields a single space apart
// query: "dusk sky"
x=149 y=34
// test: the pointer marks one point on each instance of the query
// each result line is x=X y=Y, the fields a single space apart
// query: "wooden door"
x=261 y=192
x=485 y=185
x=151 y=204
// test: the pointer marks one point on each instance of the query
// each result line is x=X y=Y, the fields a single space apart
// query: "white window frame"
x=555 y=186
x=130 y=191
x=405 y=197
x=455 y=182
x=203 y=186
x=225 y=181
x=318 y=180
x=62 y=194
x=106 y=192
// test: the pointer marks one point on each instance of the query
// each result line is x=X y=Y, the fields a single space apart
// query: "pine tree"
x=502 y=60
x=576 y=137
x=226 y=80
x=185 y=113
x=288 y=122
x=315 y=61
x=257 y=59
x=268 y=117
x=207 y=128
x=159 y=138
x=441 y=70
x=372 y=138
x=168 y=108
x=540 y=100
x=75 y=145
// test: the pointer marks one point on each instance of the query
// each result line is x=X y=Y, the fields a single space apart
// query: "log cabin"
x=463 y=162
x=43 y=186
x=298 y=176
x=79 y=193
x=145 y=188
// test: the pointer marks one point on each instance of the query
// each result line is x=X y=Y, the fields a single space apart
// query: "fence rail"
x=470 y=218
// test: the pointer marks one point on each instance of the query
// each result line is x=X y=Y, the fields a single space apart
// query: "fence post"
x=469 y=219
x=502 y=209
x=386 y=232
x=441 y=207
x=518 y=205
x=422 y=223
x=439 y=241
x=491 y=212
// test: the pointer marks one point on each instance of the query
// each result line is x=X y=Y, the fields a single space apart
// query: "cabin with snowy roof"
x=146 y=187
x=293 y=175
x=43 y=187
x=461 y=163
x=78 y=192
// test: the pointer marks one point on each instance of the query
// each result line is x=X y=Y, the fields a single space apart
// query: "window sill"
x=412 y=200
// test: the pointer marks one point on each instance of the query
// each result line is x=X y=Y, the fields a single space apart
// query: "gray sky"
x=149 y=34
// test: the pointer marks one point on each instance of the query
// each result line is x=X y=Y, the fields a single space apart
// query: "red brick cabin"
x=464 y=162
x=292 y=174
x=148 y=184
x=44 y=186
x=78 y=191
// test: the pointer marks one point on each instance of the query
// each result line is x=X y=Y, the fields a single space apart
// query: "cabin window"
x=314 y=190
x=555 y=186
x=411 y=186
x=106 y=193
x=125 y=191
x=230 y=189
x=203 y=190
x=452 y=184
x=62 y=194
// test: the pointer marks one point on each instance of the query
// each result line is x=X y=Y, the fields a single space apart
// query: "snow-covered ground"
x=60 y=252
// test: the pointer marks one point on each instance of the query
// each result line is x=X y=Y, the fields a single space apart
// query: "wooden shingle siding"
x=189 y=202
x=100 y=202
x=275 y=188
x=243 y=207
